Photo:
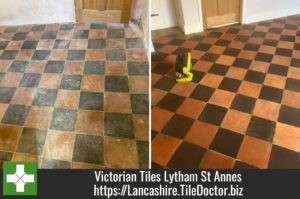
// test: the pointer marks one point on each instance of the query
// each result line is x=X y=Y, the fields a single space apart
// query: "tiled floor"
x=74 y=95
x=242 y=109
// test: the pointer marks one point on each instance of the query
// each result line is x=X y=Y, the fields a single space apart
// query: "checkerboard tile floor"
x=74 y=95
x=242 y=109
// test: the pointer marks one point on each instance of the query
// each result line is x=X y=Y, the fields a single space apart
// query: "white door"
x=164 y=12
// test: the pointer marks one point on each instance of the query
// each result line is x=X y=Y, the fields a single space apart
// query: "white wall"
x=18 y=12
x=190 y=16
x=259 y=10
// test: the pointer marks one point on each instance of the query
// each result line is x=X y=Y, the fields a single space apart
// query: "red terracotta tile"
x=291 y=98
x=287 y=136
x=201 y=134
x=236 y=121
x=25 y=55
x=157 y=95
x=211 y=80
x=9 y=137
x=136 y=55
x=203 y=66
x=255 y=152
x=183 y=88
x=116 y=68
x=250 y=89
x=191 y=108
x=90 y=122
x=276 y=81
x=215 y=160
x=260 y=66
x=226 y=60
x=222 y=98
x=95 y=55
x=3 y=108
x=159 y=118
x=236 y=73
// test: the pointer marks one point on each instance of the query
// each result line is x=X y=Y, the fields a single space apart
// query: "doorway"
x=108 y=11
x=220 y=12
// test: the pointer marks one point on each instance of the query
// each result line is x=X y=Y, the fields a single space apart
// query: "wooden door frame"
x=116 y=16
x=202 y=10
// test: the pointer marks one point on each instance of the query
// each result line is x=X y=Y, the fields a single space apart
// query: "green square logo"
x=20 y=178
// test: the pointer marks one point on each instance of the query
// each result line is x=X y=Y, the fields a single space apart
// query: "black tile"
x=9 y=54
x=55 y=164
x=49 y=35
x=296 y=46
x=232 y=30
x=271 y=94
x=98 y=26
x=63 y=120
x=270 y=42
x=138 y=68
x=232 y=52
x=1 y=75
x=32 y=141
x=249 y=27
x=54 y=67
x=178 y=126
x=153 y=134
x=3 y=44
x=171 y=102
x=251 y=46
x=18 y=66
x=203 y=47
x=76 y=55
x=263 y=57
x=115 y=33
x=282 y=158
x=227 y=142
x=6 y=94
x=157 y=46
x=202 y=93
x=180 y=159
x=30 y=80
x=287 y=38
x=289 y=115
x=278 y=69
x=41 y=55
x=222 y=42
x=140 y=103
x=215 y=34
x=242 y=63
x=197 y=76
x=229 y=84
x=242 y=165
x=292 y=84
x=181 y=50
x=67 y=26
x=261 y=128
x=30 y=44
x=44 y=97
x=295 y=62
x=61 y=44
x=210 y=57
x=255 y=76
x=116 y=84
x=213 y=114
x=198 y=38
x=94 y=68
x=162 y=68
x=275 y=30
x=290 y=27
x=243 y=103
x=81 y=34
x=165 y=83
x=89 y=149
x=284 y=52
x=241 y=38
x=5 y=156
x=258 y=34
x=9 y=29
x=176 y=42
x=264 y=23
x=71 y=82
x=118 y=125
x=115 y=55
x=219 y=69
x=91 y=101
x=135 y=43
x=279 y=20
x=38 y=28
x=16 y=115
x=97 y=43
x=143 y=152
x=158 y=56
x=20 y=36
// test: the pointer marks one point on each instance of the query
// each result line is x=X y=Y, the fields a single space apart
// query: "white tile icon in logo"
x=20 y=178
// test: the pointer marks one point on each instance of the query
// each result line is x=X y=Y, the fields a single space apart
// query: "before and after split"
x=160 y=84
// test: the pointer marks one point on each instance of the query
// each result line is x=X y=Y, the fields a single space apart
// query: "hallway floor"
x=74 y=95
x=242 y=109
